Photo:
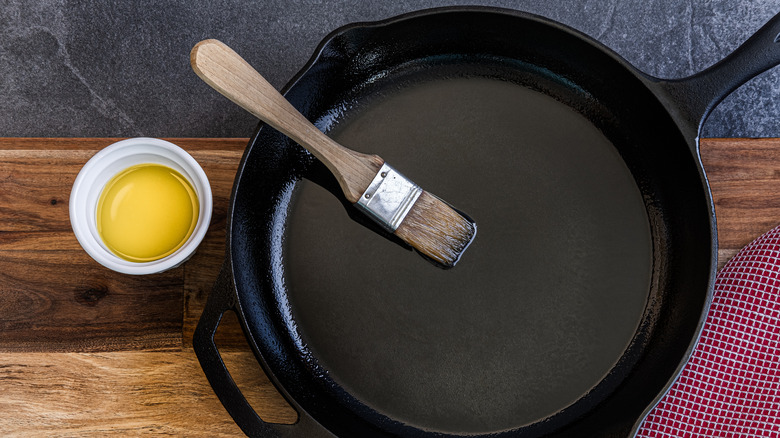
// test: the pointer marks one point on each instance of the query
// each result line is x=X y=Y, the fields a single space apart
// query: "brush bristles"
x=436 y=230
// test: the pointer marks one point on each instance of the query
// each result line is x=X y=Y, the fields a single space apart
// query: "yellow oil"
x=146 y=212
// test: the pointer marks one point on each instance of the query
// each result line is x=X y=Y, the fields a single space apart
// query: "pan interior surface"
x=542 y=305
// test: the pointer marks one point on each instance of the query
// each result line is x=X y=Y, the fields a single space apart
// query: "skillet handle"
x=222 y=299
x=697 y=95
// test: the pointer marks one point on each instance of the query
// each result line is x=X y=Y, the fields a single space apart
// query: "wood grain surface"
x=85 y=351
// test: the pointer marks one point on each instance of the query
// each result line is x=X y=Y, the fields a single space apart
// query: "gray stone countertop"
x=121 y=68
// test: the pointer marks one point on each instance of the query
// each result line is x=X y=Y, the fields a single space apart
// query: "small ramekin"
x=110 y=161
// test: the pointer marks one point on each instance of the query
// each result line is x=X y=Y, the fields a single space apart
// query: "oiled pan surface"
x=542 y=305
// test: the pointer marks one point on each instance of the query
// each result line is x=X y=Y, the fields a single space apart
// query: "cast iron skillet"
x=592 y=272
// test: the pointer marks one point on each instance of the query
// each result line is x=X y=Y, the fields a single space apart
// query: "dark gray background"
x=111 y=68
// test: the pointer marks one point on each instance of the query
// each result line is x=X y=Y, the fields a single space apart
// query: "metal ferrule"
x=389 y=198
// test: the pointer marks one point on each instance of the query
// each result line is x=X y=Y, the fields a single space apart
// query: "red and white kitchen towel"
x=731 y=385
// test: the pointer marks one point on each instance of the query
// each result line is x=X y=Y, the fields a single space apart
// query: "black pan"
x=589 y=280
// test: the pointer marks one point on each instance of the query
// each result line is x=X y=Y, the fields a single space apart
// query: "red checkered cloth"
x=731 y=385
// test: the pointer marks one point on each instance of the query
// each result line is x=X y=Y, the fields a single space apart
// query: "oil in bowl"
x=146 y=212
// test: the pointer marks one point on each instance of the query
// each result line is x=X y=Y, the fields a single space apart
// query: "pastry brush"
x=399 y=205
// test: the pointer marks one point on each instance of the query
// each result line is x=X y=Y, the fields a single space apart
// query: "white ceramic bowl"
x=107 y=163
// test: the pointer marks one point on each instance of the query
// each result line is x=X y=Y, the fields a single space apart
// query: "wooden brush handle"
x=227 y=72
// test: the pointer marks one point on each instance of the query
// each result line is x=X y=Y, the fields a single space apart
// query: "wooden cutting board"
x=86 y=351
